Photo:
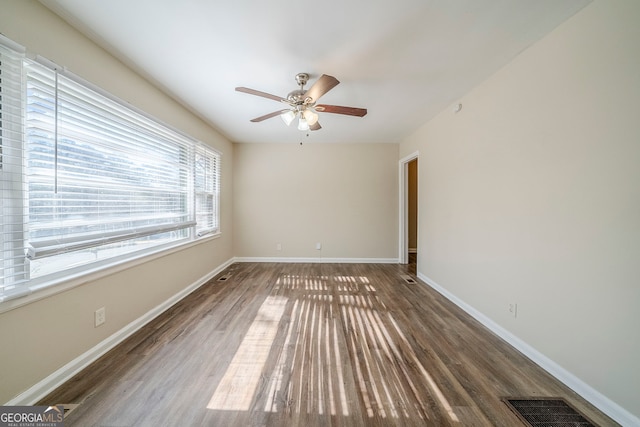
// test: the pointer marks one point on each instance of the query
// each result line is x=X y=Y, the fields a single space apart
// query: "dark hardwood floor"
x=310 y=345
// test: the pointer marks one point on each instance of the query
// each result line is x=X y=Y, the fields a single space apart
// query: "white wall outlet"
x=513 y=309
x=100 y=316
x=278 y=246
x=318 y=246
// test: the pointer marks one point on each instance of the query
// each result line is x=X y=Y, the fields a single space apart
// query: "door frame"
x=403 y=210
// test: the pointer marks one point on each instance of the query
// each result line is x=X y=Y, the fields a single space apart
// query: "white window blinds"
x=86 y=178
x=207 y=179
x=13 y=266
x=97 y=172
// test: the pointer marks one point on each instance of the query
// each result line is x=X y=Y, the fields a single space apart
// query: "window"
x=91 y=180
x=12 y=260
x=206 y=180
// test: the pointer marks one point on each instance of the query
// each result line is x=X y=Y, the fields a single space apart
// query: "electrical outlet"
x=100 y=316
x=278 y=246
x=318 y=246
x=513 y=309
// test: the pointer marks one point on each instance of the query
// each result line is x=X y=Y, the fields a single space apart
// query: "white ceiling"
x=403 y=60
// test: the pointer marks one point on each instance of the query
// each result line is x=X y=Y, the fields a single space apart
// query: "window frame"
x=65 y=278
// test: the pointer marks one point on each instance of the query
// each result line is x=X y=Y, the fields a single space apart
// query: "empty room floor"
x=310 y=345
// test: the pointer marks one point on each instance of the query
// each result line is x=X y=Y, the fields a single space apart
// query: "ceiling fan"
x=303 y=103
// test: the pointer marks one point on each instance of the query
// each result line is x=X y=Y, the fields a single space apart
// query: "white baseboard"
x=65 y=373
x=597 y=399
x=319 y=260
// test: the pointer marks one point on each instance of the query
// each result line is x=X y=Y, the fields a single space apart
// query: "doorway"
x=408 y=239
x=412 y=214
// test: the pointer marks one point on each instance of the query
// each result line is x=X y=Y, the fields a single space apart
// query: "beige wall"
x=39 y=338
x=344 y=196
x=531 y=195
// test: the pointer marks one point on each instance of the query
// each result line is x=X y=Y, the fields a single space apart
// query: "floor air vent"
x=547 y=412
x=410 y=280
x=224 y=277
x=68 y=407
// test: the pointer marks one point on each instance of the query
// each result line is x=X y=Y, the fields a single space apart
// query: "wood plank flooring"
x=310 y=345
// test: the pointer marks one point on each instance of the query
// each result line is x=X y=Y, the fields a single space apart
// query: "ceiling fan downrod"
x=302 y=79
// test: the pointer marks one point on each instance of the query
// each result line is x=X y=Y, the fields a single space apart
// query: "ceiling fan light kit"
x=288 y=117
x=310 y=116
x=302 y=103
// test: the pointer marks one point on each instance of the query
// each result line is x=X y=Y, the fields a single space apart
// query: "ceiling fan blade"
x=268 y=116
x=336 y=109
x=323 y=85
x=315 y=126
x=262 y=94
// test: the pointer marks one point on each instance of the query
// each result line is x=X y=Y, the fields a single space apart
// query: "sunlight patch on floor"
x=237 y=387
x=333 y=329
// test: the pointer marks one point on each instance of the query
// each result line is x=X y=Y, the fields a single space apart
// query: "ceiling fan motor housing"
x=297 y=97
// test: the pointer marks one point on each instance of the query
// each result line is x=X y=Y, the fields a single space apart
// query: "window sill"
x=47 y=289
